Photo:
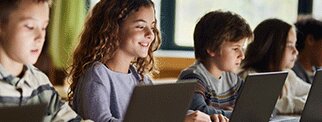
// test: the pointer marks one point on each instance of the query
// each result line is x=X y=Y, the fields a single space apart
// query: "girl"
x=114 y=55
x=273 y=49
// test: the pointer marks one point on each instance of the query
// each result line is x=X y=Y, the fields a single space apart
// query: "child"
x=219 y=38
x=309 y=45
x=114 y=55
x=273 y=49
x=23 y=26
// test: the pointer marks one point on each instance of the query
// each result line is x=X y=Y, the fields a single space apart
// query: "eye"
x=140 y=27
x=30 y=27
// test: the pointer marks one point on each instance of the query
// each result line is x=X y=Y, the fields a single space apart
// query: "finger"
x=221 y=118
x=215 y=118
x=227 y=120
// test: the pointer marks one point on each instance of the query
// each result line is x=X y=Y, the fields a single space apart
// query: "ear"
x=211 y=53
x=309 y=40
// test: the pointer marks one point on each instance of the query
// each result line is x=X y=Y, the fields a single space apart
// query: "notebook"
x=258 y=97
x=160 y=103
x=27 y=113
x=312 y=111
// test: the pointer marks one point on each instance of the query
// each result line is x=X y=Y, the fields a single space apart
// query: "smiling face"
x=22 y=38
x=290 y=53
x=136 y=33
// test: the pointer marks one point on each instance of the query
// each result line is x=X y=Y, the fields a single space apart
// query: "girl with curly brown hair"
x=115 y=54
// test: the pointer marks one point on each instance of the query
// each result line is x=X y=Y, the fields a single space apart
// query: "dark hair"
x=216 y=27
x=100 y=38
x=266 y=51
x=305 y=28
x=7 y=6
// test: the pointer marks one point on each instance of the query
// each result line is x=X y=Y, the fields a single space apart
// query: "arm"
x=95 y=99
x=296 y=94
x=60 y=111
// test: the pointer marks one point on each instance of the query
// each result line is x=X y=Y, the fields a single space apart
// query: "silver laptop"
x=160 y=103
x=26 y=113
x=258 y=97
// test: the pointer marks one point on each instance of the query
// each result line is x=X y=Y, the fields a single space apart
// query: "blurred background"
x=176 y=20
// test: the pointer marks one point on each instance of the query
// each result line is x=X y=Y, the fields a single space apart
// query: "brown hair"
x=265 y=53
x=216 y=27
x=7 y=6
x=100 y=40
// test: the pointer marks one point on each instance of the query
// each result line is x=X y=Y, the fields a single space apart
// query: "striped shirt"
x=34 y=87
x=213 y=95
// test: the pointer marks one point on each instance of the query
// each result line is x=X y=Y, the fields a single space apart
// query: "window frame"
x=167 y=22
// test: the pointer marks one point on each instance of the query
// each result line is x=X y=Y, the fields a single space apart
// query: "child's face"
x=22 y=38
x=229 y=57
x=136 y=33
x=290 y=52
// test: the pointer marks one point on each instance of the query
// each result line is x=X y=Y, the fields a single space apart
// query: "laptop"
x=258 y=97
x=160 y=103
x=26 y=113
x=312 y=111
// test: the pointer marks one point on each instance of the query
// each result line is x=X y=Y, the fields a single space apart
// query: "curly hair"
x=99 y=39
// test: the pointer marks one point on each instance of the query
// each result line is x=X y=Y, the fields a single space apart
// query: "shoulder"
x=96 y=69
x=191 y=71
x=35 y=75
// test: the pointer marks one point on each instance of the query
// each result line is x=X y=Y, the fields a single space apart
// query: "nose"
x=295 y=51
x=40 y=35
x=242 y=55
x=149 y=34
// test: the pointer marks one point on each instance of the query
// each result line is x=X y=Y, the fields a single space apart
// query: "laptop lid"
x=312 y=111
x=26 y=113
x=258 y=97
x=160 y=103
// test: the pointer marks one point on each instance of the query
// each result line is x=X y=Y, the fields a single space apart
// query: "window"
x=188 y=12
x=317 y=9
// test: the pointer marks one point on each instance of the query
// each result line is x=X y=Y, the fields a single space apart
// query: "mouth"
x=144 y=44
x=35 y=51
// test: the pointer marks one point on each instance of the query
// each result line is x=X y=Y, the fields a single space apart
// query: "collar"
x=13 y=80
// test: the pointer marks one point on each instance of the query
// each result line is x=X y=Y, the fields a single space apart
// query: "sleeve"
x=199 y=101
x=94 y=99
x=294 y=100
x=57 y=110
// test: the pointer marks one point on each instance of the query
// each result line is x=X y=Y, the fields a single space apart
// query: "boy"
x=309 y=45
x=23 y=26
x=219 y=38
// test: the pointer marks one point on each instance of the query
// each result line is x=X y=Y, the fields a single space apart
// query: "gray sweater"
x=102 y=95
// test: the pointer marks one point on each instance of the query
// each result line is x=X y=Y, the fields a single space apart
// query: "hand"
x=219 y=118
x=197 y=116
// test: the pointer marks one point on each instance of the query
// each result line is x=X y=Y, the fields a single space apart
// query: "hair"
x=306 y=27
x=99 y=39
x=216 y=27
x=7 y=6
x=266 y=51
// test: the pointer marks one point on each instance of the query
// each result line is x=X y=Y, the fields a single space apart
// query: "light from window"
x=317 y=9
x=188 y=12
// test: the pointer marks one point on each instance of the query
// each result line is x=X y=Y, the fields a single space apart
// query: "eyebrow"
x=141 y=20
x=31 y=18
